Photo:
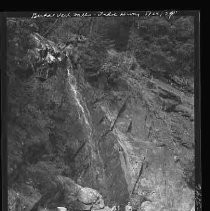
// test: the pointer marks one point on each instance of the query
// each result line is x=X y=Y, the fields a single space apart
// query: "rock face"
x=145 y=164
x=157 y=153
x=157 y=150
x=105 y=173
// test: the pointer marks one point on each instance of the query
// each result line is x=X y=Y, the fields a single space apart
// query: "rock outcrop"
x=145 y=164
x=105 y=172
x=73 y=196
x=156 y=153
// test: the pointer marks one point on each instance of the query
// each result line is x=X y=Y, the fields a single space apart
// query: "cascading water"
x=73 y=84
x=96 y=160
x=84 y=112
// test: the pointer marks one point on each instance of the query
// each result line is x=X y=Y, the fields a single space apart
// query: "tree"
x=162 y=45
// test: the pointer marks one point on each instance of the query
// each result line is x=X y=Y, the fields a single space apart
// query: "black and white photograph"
x=101 y=111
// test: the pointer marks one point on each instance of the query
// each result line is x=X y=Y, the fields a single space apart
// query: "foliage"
x=94 y=52
x=164 y=46
x=116 y=65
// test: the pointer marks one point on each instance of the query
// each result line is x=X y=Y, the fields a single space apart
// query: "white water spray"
x=85 y=115
x=73 y=84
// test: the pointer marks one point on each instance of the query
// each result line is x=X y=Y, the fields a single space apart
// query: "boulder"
x=147 y=206
x=90 y=198
x=74 y=195
x=61 y=209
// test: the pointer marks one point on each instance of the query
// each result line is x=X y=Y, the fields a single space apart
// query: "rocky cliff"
x=137 y=139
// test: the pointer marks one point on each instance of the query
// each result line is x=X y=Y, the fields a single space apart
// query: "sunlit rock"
x=90 y=197
x=61 y=209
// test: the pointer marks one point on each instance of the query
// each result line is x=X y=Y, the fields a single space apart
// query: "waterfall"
x=73 y=84
x=96 y=160
x=84 y=112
